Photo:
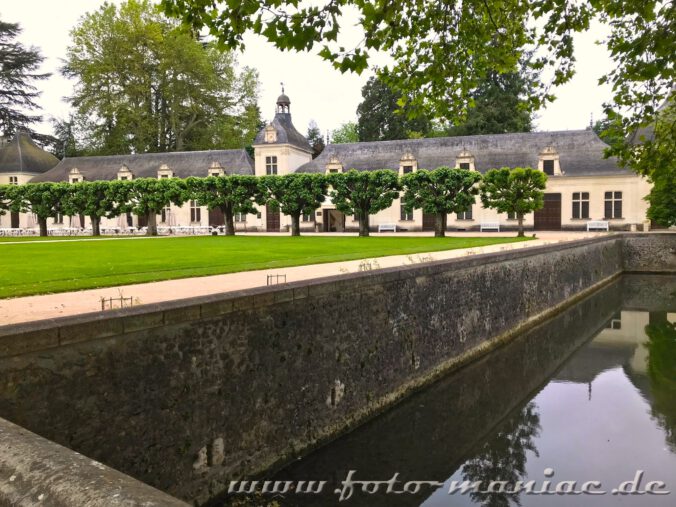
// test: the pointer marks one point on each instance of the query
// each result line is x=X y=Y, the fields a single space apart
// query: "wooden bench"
x=597 y=224
x=489 y=226
x=387 y=227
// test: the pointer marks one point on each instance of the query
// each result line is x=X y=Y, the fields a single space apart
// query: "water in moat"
x=580 y=411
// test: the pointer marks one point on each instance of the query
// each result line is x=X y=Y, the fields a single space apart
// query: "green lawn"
x=35 y=267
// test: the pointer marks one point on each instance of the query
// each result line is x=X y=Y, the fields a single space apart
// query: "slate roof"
x=22 y=155
x=286 y=133
x=146 y=165
x=580 y=153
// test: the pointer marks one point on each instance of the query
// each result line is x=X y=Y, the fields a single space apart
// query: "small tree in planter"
x=44 y=200
x=363 y=193
x=296 y=194
x=230 y=194
x=441 y=191
x=519 y=191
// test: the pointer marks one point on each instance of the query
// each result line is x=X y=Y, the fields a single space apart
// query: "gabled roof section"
x=22 y=155
x=183 y=164
x=580 y=153
x=286 y=133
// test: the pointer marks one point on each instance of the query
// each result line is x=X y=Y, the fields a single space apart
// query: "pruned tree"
x=441 y=191
x=44 y=200
x=230 y=194
x=148 y=196
x=519 y=191
x=363 y=193
x=296 y=194
x=5 y=199
x=94 y=199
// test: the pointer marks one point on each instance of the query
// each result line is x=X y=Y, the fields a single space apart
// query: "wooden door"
x=14 y=218
x=549 y=217
x=142 y=221
x=428 y=222
x=216 y=217
x=271 y=219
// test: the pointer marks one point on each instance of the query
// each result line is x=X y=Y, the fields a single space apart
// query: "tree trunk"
x=295 y=224
x=363 y=224
x=152 y=224
x=96 y=225
x=520 y=218
x=42 y=222
x=229 y=218
x=440 y=225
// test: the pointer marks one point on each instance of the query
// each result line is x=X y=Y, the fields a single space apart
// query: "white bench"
x=387 y=227
x=489 y=226
x=597 y=224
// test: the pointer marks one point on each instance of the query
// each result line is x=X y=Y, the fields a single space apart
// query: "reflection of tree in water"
x=662 y=372
x=503 y=458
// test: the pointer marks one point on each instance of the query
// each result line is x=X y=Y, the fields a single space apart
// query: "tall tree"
x=519 y=191
x=379 y=117
x=315 y=138
x=296 y=194
x=18 y=92
x=500 y=106
x=146 y=84
x=230 y=194
x=441 y=192
x=346 y=133
x=441 y=51
x=363 y=193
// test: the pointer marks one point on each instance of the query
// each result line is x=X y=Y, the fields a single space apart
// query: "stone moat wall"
x=188 y=395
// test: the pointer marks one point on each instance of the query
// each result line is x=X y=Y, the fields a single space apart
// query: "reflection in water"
x=574 y=395
x=503 y=458
x=662 y=372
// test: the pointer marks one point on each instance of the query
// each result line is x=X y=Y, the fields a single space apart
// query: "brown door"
x=325 y=220
x=429 y=220
x=271 y=220
x=549 y=217
x=14 y=217
x=142 y=221
x=216 y=217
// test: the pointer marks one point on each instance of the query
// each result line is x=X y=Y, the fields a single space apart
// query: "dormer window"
x=271 y=165
x=124 y=174
x=407 y=164
x=216 y=169
x=548 y=162
x=270 y=134
x=334 y=166
x=74 y=176
x=164 y=172
x=465 y=160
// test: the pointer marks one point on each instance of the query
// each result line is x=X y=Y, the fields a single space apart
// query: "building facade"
x=582 y=185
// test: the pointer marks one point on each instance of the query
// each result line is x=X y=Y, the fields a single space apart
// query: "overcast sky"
x=317 y=91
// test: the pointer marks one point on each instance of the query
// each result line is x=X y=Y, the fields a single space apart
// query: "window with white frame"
x=464 y=165
x=407 y=169
x=58 y=219
x=195 y=212
x=465 y=215
x=613 y=205
x=240 y=217
x=405 y=215
x=548 y=167
x=165 y=213
x=271 y=164
x=13 y=180
x=307 y=217
x=580 y=204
